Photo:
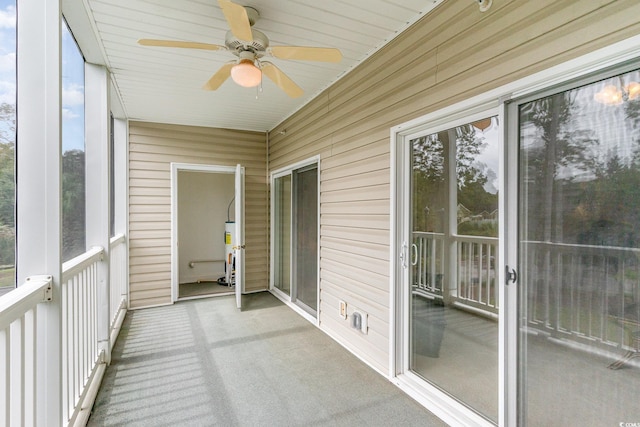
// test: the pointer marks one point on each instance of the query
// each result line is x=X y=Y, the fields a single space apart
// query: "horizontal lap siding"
x=152 y=147
x=453 y=53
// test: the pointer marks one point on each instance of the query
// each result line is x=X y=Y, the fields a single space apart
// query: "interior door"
x=239 y=250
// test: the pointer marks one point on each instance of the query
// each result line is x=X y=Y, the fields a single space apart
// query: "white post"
x=120 y=184
x=38 y=186
x=97 y=121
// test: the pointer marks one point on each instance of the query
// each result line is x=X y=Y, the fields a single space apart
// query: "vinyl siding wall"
x=152 y=148
x=452 y=54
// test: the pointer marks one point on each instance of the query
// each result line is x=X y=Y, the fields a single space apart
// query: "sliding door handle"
x=511 y=275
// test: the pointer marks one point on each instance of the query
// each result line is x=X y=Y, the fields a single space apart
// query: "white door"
x=240 y=234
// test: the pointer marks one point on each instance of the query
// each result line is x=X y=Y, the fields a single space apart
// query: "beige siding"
x=453 y=53
x=152 y=147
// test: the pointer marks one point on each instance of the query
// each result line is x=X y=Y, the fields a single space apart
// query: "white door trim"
x=175 y=168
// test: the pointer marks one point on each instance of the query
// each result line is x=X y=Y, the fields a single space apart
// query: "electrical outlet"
x=343 y=309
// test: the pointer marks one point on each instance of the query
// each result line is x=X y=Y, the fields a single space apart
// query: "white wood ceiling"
x=164 y=84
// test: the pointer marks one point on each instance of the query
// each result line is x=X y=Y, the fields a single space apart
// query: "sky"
x=72 y=80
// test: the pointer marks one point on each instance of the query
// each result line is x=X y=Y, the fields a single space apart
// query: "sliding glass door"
x=579 y=253
x=538 y=325
x=450 y=254
x=282 y=233
x=305 y=238
x=295 y=236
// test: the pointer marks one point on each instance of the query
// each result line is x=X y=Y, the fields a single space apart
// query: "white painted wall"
x=203 y=199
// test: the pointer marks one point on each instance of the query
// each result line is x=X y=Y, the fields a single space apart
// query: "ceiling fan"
x=250 y=46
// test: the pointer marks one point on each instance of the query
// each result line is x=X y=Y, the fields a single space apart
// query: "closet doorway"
x=206 y=231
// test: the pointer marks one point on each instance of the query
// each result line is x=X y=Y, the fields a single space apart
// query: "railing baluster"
x=5 y=393
x=30 y=319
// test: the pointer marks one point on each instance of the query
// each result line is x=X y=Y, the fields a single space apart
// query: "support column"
x=97 y=157
x=38 y=152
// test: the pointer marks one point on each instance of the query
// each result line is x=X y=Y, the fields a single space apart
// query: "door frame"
x=288 y=299
x=438 y=402
x=448 y=408
x=190 y=167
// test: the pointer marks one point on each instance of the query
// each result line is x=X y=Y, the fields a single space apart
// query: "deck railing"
x=19 y=343
x=474 y=281
x=476 y=272
x=91 y=311
x=580 y=293
x=81 y=352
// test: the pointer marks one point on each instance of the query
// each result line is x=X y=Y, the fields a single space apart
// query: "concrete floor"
x=564 y=385
x=203 y=362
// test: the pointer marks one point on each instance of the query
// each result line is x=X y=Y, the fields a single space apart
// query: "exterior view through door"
x=518 y=256
x=579 y=252
x=449 y=254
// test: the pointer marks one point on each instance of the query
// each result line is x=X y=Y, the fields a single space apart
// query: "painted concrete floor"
x=203 y=362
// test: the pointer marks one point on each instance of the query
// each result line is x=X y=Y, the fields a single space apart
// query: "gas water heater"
x=230 y=256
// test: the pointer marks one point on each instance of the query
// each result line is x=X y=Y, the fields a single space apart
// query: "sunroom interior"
x=454 y=200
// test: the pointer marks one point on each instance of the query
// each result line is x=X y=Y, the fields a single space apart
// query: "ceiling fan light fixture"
x=246 y=74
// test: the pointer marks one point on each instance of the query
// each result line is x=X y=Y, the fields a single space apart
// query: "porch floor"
x=203 y=362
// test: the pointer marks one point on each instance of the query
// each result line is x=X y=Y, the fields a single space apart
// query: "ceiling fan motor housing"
x=259 y=44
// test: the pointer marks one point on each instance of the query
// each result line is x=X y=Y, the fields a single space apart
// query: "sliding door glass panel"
x=453 y=310
x=579 y=242
x=282 y=234
x=306 y=237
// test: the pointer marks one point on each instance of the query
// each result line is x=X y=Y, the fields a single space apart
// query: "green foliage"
x=73 y=194
x=485 y=228
x=7 y=184
x=429 y=186
x=73 y=204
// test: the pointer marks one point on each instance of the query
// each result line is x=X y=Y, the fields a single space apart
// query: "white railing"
x=476 y=272
x=118 y=290
x=473 y=283
x=18 y=346
x=427 y=259
x=583 y=293
x=81 y=352
x=91 y=313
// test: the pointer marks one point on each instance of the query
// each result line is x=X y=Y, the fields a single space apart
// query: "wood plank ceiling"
x=165 y=84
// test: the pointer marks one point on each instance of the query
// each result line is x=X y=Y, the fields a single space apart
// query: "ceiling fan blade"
x=281 y=80
x=237 y=19
x=324 y=54
x=181 y=44
x=219 y=77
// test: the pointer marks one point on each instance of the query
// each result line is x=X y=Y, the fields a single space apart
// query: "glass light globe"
x=246 y=74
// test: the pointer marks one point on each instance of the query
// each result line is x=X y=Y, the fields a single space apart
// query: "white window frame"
x=437 y=401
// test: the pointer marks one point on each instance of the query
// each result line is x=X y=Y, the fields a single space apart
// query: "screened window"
x=73 y=148
x=7 y=145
